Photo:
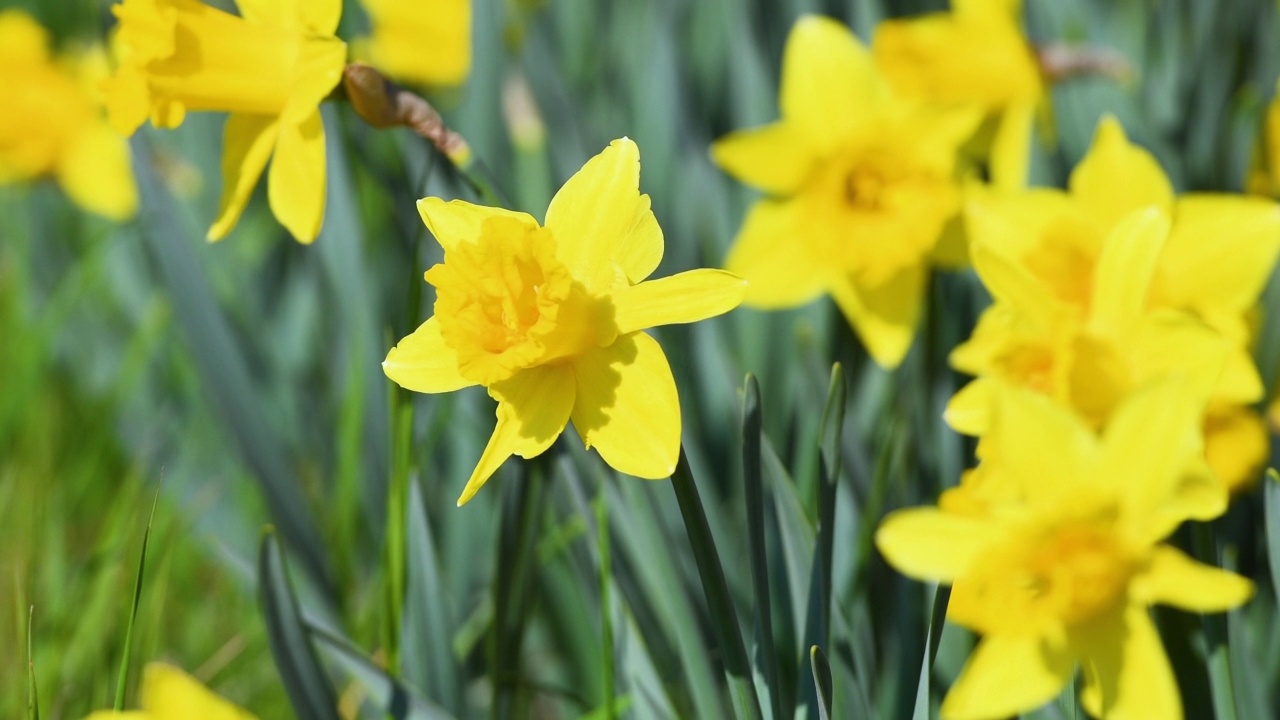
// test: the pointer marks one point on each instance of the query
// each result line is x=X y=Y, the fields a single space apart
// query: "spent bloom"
x=1053 y=550
x=426 y=42
x=975 y=53
x=170 y=694
x=861 y=185
x=270 y=68
x=51 y=121
x=549 y=319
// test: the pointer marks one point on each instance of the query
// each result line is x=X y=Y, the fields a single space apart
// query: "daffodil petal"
x=121 y=715
x=1126 y=268
x=682 y=298
x=533 y=408
x=1013 y=223
x=1027 y=427
x=627 y=407
x=1010 y=283
x=247 y=142
x=1116 y=177
x=774 y=158
x=94 y=171
x=828 y=81
x=320 y=16
x=320 y=64
x=422 y=362
x=768 y=254
x=884 y=317
x=1172 y=578
x=1011 y=147
x=1236 y=446
x=279 y=13
x=169 y=694
x=602 y=222
x=969 y=410
x=1206 y=266
x=458 y=221
x=928 y=544
x=1127 y=674
x=296 y=180
x=1007 y=675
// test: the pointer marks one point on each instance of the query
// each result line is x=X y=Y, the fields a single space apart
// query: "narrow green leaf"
x=937 y=598
x=764 y=655
x=427 y=660
x=724 y=618
x=606 y=607
x=821 y=681
x=304 y=679
x=33 y=697
x=1271 y=491
x=385 y=691
x=122 y=678
x=1215 y=633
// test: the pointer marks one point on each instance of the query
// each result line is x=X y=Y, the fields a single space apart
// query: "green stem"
x=1215 y=633
x=606 y=606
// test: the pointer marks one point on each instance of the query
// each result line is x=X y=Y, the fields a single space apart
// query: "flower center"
x=506 y=303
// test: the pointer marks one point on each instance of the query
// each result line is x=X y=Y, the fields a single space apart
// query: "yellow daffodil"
x=51 y=121
x=1060 y=565
x=1061 y=263
x=1264 y=176
x=549 y=317
x=270 y=68
x=170 y=694
x=861 y=184
x=426 y=42
x=977 y=52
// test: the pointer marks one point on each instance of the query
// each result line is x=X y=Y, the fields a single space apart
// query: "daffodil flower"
x=1264 y=175
x=549 y=319
x=426 y=42
x=270 y=68
x=861 y=186
x=1060 y=563
x=51 y=121
x=975 y=53
x=170 y=694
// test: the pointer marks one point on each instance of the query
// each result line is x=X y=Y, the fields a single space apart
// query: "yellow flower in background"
x=1058 y=570
x=861 y=187
x=270 y=68
x=426 y=42
x=978 y=53
x=1264 y=175
x=170 y=694
x=51 y=121
x=549 y=319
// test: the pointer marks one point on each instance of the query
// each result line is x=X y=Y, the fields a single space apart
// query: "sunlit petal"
x=682 y=298
x=779 y=269
x=884 y=317
x=1007 y=675
x=422 y=362
x=457 y=221
x=170 y=694
x=1116 y=177
x=828 y=80
x=928 y=544
x=774 y=158
x=247 y=142
x=1172 y=578
x=1126 y=268
x=94 y=171
x=296 y=180
x=1127 y=673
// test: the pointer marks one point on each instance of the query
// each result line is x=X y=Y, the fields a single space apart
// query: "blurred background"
x=241 y=380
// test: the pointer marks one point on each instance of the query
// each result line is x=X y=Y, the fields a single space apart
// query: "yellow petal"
x=123 y=715
x=928 y=544
x=533 y=408
x=320 y=17
x=422 y=362
x=1126 y=268
x=829 y=81
x=401 y=30
x=1014 y=223
x=95 y=172
x=1027 y=427
x=884 y=317
x=774 y=158
x=247 y=142
x=682 y=298
x=1007 y=675
x=458 y=221
x=1011 y=147
x=1172 y=578
x=1169 y=343
x=296 y=181
x=1236 y=446
x=127 y=99
x=318 y=72
x=1116 y=177
x=170 y=694
x=1220 y=252
x=1010 y=283
x=627 y=407
x=23 y=41
x=770 y=254
x=969 y=410
x=1126 y=671
x=602 y=223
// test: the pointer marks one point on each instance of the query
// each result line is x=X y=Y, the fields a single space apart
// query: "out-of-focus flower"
x=51 y=121
x=270 y=68
x=549 y=320
x=1264 y=176
x=1058 y=567
x=862 y=185
x=426 y=42
x=978 y=53
x=170 y=694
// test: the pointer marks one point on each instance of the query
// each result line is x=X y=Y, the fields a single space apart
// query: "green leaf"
x=1271 y=491
x=427 y=660
x=387 y=693
x=305 y=681
x=122 y=678
x=821 y=681
x=764 y=655
x=33 y=697
x=937 y=598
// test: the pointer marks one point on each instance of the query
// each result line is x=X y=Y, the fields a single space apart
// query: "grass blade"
x=821 y=681
x=122 y=678
x=1271 y=491
x=33 y=698
x=725 y=619
x=937 y=598
x=764 y=654
x=1215 y=633
x=305 y=681
x=389 y=694
x=427 y=659
x=606 y=608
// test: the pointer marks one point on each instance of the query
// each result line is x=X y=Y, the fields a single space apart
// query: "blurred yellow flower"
x=1264 y=176
x=861 y=183
x=977 y=52
x=549 y=320
x=170 y=694
x=426 y=42
x=1061 y=565
x=51 y=121
x=270 y=68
